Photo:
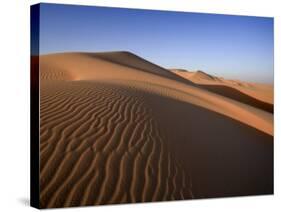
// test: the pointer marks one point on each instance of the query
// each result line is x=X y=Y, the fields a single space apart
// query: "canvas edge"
x=34 y=106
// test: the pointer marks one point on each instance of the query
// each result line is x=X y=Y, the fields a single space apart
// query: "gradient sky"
x=236 y=47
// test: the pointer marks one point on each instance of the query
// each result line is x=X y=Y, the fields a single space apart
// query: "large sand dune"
x=116 y=128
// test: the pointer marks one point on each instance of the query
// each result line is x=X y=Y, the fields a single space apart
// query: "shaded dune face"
x=239 y=96
x=115 y=128
x=130 y=60
x=223 y=157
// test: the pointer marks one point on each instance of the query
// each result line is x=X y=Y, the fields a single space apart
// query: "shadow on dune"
x=131 y=60
x=239 y=96
x=223 y=156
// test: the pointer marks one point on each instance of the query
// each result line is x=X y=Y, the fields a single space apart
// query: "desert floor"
x=115 y=128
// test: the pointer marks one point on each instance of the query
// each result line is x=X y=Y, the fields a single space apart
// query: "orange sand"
x=116 y=128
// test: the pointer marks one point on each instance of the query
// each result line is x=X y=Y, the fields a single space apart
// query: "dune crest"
x=201 y=75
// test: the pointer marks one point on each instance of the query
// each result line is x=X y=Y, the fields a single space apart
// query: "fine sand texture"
x=115 y=128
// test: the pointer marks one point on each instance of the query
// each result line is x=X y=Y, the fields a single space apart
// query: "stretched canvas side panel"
x=34 y=114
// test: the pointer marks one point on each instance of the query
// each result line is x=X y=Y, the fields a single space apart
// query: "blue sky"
x=237 y=47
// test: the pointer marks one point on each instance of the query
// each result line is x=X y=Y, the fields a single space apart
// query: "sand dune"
x=197 y=76
x=105 y=147
x=116 y=128
x=254 y=94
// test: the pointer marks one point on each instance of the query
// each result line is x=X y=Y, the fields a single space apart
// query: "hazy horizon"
x=233 y=47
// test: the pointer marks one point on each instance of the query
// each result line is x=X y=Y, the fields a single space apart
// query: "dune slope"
x=120 y=130
x=100 y=144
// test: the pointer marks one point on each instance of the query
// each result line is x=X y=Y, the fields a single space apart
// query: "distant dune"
x=254 y=94
x=116 y=128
